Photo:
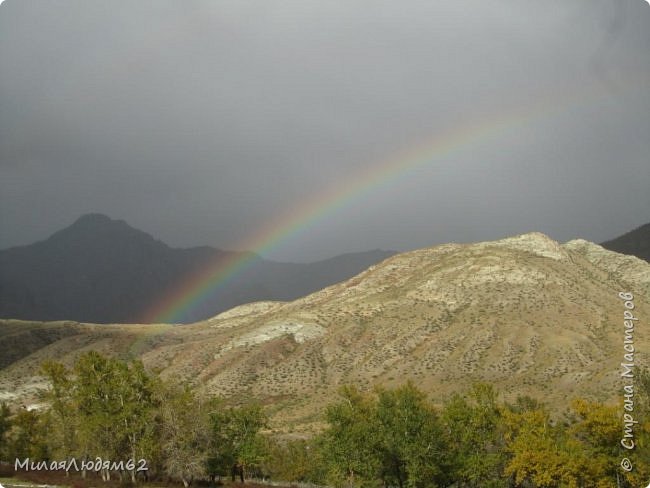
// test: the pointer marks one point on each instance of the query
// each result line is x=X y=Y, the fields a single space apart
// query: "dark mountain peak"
x=643 y=230
x=98 y=221
x=93 y=219
x=103 y=270
x=636 y=242
x=97 y=227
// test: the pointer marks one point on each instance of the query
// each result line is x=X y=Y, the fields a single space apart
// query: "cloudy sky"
x=203 y=122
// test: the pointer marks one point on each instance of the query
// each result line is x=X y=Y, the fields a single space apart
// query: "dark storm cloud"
x=199 y=121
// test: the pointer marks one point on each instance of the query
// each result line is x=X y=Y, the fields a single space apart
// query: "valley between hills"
x=525 y=313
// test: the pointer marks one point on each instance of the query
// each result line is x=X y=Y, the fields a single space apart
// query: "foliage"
x=235 y=439
x=351 y=444
x=475 y=438
x=62 y=436
x=104 y=407
x=5 y=426
x=583 y=453
x=410 y=438
x=115 y=405
x=29 y=435
x=394 y=437
x=536 y=449
x=296 y=460
x=185 y=435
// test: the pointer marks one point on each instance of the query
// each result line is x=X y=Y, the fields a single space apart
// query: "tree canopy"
x=109 y=408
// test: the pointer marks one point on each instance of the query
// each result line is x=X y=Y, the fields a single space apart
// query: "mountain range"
x=525 y=313
x=104 y=271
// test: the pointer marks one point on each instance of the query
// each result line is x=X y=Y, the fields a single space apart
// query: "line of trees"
x=115 y=410
x=112 y=409
x=398 y=438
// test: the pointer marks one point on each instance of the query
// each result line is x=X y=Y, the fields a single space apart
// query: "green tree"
x=116 y=406
x=474 y=432
x=410 y=439
x=235 y=439
x=296 y=460
x=535 y=448
x=62 y=436
x=595 y=433
x=185 y=432
x=28 y=437
x=5 y=427
x=574 y=455
x=351 y=442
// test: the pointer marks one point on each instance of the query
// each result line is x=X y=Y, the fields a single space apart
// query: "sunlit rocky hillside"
x=526 y=313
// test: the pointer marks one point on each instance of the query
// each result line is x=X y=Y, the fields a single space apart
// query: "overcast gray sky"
x=201 y=121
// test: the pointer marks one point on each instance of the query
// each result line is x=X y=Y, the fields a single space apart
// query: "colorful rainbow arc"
x=194 y=290
x=191 y=292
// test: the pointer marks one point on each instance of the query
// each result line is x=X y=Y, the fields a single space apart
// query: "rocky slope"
x=526 y=313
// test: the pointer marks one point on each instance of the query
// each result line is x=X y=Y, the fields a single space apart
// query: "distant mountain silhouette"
x=103 y=270
x=635 y=243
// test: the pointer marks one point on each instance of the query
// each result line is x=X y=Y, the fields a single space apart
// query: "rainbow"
x=193 y=291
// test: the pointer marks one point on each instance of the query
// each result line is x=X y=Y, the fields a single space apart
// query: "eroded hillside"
x=526 y=313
